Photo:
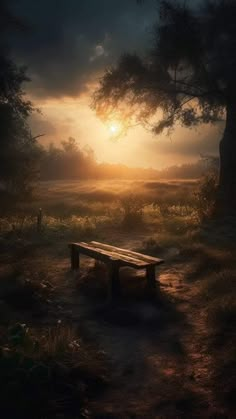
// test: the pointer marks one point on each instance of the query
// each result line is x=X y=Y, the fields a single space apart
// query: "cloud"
x=67 y=48
x=70 y=43
x=99 y=51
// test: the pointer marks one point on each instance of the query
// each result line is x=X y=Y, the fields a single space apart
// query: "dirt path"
x=159 y=363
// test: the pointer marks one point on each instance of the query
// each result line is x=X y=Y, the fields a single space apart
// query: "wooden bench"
x=116 y=258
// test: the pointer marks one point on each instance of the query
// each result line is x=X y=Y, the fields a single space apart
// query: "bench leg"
x=151 y=278
x=115 y=290
x=74 y=258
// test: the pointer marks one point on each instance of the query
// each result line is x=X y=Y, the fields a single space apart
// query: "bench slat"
x=118 y=256
x=106 y=255
x=86 y=250
x=145 y=258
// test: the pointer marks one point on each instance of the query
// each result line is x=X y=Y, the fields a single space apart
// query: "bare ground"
x=159 y=360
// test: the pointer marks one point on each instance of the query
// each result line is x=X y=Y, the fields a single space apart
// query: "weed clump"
x=132 y=207
x=205 y=196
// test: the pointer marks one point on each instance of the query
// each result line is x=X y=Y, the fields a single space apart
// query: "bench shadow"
x=155 y=318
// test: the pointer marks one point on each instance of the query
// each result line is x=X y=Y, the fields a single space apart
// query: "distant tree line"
x=67 y=161
x=70 y=161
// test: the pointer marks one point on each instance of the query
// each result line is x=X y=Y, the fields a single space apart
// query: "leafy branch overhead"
x=187 y=75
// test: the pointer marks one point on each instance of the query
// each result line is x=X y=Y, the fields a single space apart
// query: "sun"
x=115 y=128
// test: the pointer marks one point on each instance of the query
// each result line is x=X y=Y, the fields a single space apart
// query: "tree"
x=19 y=150
x=69 y=161
x=187 y=77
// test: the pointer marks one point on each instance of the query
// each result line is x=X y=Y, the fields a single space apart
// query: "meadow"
x=66 y=351
x=67 y=206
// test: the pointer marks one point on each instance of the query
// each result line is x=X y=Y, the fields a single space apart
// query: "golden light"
x=115 y=128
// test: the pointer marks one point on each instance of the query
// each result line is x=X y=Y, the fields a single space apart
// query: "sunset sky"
x=66 y=48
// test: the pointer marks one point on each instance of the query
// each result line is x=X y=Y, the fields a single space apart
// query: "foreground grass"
x=47 y=372
x=45 y=364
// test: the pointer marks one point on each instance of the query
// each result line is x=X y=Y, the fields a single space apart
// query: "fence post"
x=39 y=220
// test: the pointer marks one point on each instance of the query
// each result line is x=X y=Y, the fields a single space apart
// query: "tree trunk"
x=226 y=202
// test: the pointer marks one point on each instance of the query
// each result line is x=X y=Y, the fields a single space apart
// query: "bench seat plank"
x=107 y=255
x=140 y=256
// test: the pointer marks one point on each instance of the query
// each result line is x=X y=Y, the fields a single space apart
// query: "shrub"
x=205 y=196
x=132 y=207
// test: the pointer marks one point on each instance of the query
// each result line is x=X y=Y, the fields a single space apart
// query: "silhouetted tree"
x=18 y=148
x=188 y=76
x=70 y=161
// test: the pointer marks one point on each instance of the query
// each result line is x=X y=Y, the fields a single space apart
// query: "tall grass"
x=47 y=372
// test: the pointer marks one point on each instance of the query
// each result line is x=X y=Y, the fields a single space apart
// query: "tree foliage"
x=187 y=76
x=69 y=161
x=19 y=151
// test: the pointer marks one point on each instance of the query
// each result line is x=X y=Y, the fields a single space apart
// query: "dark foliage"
x=69 y=161
x=19 y=151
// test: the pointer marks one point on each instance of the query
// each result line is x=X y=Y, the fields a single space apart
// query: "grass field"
x=95 y=197
x=93 y=206
x=67 y=352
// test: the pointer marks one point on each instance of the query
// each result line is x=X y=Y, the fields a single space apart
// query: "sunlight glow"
x=115 y=128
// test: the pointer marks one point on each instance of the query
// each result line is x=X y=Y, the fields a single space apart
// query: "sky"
x=67 y=47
